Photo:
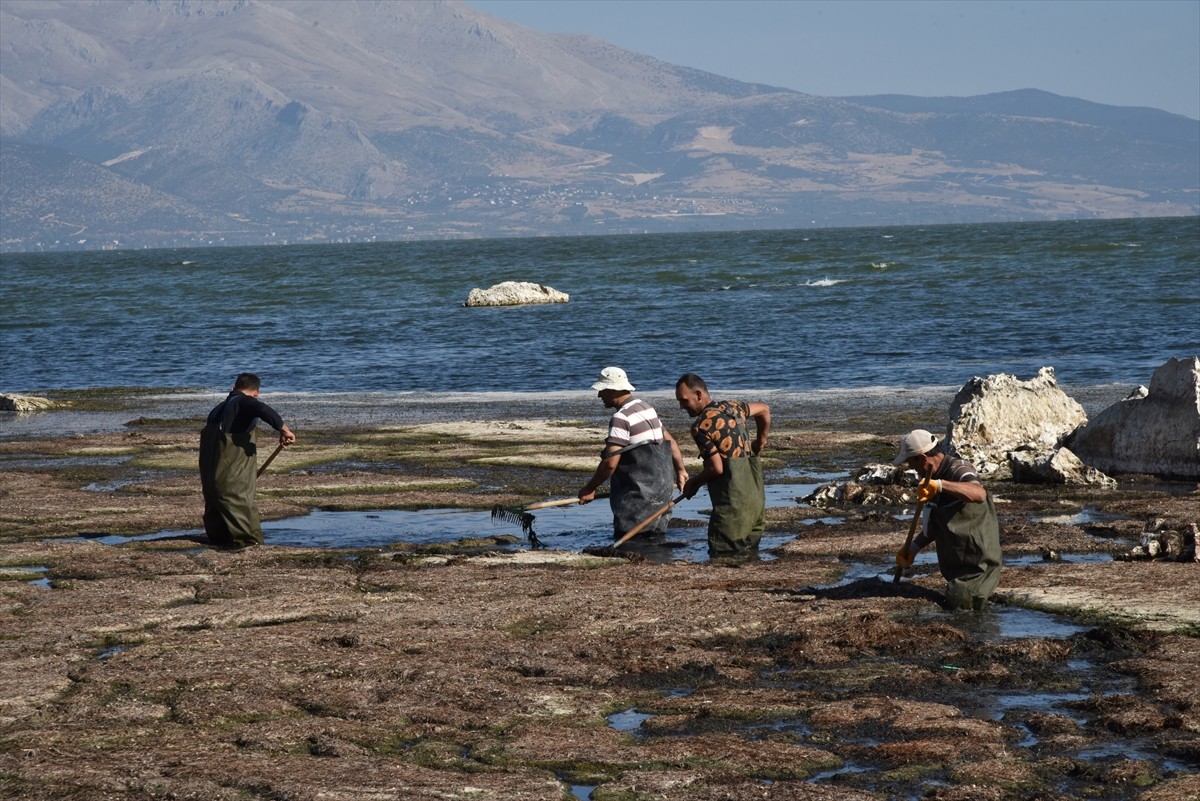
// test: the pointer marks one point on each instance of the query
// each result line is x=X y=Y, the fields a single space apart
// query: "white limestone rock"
x=877 y=473
x=24 y=403
x=515 y=293
x=1153 y=432
x=1055 y=466
x=993 y=416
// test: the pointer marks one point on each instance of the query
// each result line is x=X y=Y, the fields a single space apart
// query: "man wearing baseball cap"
x=640 y=460
x=961 y=520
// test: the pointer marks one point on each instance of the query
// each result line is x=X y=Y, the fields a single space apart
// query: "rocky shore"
x=163 y=669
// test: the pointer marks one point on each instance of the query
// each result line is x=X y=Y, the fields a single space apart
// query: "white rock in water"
x=515 y=293
x=24 y=403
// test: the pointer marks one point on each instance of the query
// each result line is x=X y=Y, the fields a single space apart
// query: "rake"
x=611 y=550
x=520 y=515
x=270 y=459
x=912 y=530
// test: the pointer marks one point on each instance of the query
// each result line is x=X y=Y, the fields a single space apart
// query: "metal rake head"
x=520 y=517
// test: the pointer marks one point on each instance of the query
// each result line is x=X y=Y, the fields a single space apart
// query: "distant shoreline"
x=107 y=409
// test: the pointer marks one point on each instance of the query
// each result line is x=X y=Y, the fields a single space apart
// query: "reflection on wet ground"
x=583 y=792
x=1009 y=622
x=18 y=572
x=1086 y=515
x=71 y=461
x=629 y=721
x=564 y=528
x=1030 y=560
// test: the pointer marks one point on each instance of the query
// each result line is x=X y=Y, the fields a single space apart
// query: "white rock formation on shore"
x=991 y=417
x=1056 y=466
x=24 y=403
x=1154 y=431
x=515 y=293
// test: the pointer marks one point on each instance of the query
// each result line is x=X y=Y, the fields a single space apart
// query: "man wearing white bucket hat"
x=640 y=460
x=961 y=521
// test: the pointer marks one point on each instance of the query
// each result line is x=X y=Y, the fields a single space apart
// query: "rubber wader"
x=738 y=499
x=968 y=551
x=227 y=476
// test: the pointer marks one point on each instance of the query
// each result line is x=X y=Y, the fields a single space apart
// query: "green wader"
x=739 y=500
x=968 y=551
x=228 y=467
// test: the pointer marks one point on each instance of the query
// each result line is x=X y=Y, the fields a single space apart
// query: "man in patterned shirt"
x=961 y=521
x=732 y=470
x=641 y=460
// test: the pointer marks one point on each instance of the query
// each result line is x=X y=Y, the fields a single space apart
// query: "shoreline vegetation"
x=161 y=669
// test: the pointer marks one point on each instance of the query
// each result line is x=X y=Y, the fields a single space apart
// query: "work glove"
x=905 y=556
x=929 y=489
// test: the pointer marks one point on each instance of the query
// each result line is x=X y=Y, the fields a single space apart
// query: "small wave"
x=880 y=265
x=825 y=282
x=185 y=262
x=1125 y=244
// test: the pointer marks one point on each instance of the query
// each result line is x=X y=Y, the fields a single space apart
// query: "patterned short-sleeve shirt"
x=720 y=428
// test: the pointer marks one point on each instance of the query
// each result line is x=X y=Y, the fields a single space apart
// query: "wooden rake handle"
x=662 y=510
x=270 y=459
x=912 y=527
x=562 y=502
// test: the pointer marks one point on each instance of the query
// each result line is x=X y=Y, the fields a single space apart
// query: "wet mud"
x=485 y=669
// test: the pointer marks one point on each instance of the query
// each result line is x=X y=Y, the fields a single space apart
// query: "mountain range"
x=133 y=123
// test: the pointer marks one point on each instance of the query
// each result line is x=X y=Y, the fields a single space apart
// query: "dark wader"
x=968 y=551
x=641 y=484
x=228 y=466
x=738 y=499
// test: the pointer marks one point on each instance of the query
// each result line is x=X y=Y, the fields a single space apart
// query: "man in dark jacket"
x=228 y=464
x=962 y=521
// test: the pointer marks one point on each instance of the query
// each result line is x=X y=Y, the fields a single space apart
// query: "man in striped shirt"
x=640 y=460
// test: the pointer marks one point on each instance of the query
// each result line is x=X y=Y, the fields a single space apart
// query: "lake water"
x=1104 y=302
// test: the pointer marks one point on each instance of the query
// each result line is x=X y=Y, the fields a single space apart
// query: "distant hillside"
x=245 y=121
x=72 y=202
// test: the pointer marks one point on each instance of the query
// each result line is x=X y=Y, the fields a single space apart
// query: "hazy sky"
x=1141 y=53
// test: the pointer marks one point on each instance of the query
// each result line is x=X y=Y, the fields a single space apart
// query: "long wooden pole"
x=662 y=510
x=270 y=459
x=562 y=502
x=912 y=528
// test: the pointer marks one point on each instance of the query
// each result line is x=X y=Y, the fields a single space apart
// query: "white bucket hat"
x=613 y=378
x=915 y=442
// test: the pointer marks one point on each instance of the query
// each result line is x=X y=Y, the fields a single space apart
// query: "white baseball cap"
x=915 y=442
x=613 y=378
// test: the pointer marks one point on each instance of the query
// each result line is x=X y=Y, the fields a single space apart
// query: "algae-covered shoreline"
x=163 y=669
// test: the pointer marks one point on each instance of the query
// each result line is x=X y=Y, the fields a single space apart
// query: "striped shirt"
x=635 y=423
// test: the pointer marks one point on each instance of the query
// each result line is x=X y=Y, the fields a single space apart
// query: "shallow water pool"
x=564 y=528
